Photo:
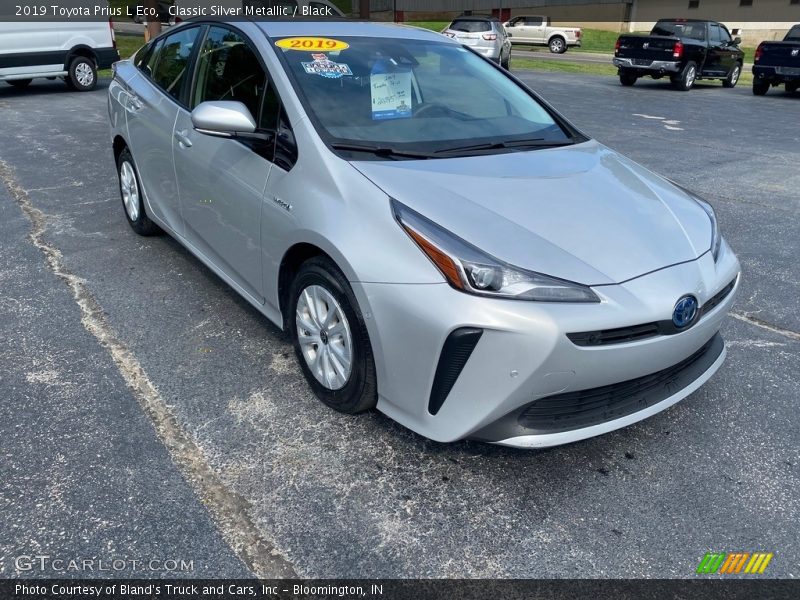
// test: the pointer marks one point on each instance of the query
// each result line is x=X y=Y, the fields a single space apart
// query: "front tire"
x=792 y=87
x=20 y=84
x=506 y=64
x=132 y=198
x=685 y=81
x=760 y=88
x=733 y=77
x=558 y=45
x=330 y=338
x=627 y=78
x=82 y=74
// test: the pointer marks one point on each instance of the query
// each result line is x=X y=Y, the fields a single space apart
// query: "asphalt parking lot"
x=149 y=412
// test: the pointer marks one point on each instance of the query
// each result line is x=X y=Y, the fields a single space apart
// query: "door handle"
x=135 y=103
x=183 y=138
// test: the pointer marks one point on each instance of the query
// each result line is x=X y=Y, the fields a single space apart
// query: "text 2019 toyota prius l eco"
x=439 y=241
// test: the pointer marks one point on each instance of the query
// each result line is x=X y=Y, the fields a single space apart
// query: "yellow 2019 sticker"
x=311 y=44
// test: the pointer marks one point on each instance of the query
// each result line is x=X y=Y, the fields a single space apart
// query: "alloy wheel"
x=324 y=336
x=130 y=190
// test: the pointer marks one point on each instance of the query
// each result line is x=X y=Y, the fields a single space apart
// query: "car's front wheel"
x=81 y=74
x=733 y=77
x=330 y=338
x=132 y=199
x=792 y=87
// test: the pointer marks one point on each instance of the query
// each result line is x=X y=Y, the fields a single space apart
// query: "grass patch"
x=563 y=66
x=127 y=45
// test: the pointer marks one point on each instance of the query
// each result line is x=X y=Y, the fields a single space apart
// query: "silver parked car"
x=485 y=35
x=440 y=243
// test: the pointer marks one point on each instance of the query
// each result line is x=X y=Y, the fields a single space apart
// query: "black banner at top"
x=760 y=14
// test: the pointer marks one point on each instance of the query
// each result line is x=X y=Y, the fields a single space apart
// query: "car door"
x=535 y=29
x=714 y=54
x=728 y=52
x=152 y=107
x=516 y=29
x=221 y=181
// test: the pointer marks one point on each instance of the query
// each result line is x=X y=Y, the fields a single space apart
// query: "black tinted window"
x=471 y=26
x=229 y=70
x=794 y=34
x=533 y=21
x=714 y=34
x=173 y=61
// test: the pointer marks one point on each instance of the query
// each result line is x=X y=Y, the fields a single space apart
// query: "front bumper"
x=524 y=354
x=646 y=67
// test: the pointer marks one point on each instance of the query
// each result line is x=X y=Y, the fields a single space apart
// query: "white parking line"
x=228 y=510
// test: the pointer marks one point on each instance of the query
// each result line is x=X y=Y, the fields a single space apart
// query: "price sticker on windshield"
x=311 y=44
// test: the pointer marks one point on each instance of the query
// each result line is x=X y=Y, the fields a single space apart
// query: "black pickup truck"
x=686 y=50
x=778 y=62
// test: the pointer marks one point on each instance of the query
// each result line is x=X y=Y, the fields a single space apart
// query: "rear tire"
x=82 y=74
x=733 y=77
x=792 y=87
x=323 y=343
x=558 y=45
x=627 y=79
x=760 y=88
x=20 y=83
x=132 y=198
x=685 y=81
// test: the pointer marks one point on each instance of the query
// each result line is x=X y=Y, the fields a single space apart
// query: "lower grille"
x=574 y=410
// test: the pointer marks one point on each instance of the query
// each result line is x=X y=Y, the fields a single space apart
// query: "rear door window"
x=171 y=68
x=471 y=26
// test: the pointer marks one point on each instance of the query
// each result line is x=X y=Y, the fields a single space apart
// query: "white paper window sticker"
x=391 y=95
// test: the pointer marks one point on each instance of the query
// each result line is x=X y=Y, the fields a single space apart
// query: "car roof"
x=333 y=27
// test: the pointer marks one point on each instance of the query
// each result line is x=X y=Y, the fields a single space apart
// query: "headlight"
x=716 y=238
x=472 y=271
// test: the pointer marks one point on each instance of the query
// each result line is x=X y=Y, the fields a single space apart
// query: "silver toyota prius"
x=440 y=243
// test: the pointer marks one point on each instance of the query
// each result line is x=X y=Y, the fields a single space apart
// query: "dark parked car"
x=686 y=50
x=777 y=63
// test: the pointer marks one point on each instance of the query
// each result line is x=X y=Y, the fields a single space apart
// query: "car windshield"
x=414 y=95
x=693 y=31
x=469 y=26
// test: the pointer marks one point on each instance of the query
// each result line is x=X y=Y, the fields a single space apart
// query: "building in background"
x=753 y=20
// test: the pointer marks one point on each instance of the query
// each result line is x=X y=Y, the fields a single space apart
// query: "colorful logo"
x=734 y=562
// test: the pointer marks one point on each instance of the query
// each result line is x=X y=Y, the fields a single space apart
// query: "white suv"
x=73 y=51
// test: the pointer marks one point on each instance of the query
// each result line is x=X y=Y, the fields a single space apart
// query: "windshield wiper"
x=384 y=151
x=525 y=143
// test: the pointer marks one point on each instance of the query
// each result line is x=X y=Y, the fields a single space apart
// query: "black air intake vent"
x=456 y=351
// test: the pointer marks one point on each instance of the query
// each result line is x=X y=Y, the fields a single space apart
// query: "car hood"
x=582 y=213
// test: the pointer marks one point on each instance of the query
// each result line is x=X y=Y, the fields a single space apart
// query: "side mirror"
x=507 y=24
x=223 y=119
x=737 y=41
